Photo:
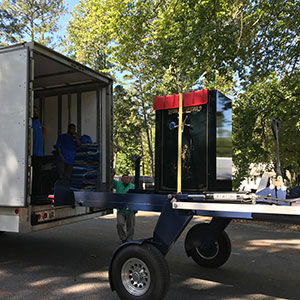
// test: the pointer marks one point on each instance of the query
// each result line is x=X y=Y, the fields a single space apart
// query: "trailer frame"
x=207 y=243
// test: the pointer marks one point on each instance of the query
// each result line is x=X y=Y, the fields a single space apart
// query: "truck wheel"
x=212 y=257
x=140 y=272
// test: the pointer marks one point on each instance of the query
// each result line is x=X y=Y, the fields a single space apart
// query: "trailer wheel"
x=140 y=272
x=212 y=257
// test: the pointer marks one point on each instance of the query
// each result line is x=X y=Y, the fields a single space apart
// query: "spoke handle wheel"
x=213 y=256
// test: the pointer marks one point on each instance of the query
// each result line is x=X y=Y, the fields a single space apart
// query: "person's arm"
x=43 y=136
x=60 y=154
x=58 y=148
x=43 y=144
x=115 y=184
x=131 y=187
x=78 y=143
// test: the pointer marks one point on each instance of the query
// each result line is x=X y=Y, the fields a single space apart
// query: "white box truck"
x=65 y=92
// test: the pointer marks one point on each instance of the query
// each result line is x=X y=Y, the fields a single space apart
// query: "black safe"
x=206 y=147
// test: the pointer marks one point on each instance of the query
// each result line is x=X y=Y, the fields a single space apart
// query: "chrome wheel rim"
x=135 y=277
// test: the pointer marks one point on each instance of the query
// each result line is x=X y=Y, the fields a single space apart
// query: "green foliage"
x=269 y=39
x=253 y=140
x=127 y=137
x=131 y=132
x=36 y=19
x=179 y=45
x=151 y=42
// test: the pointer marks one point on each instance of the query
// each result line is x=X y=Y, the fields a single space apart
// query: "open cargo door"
x=13 y=126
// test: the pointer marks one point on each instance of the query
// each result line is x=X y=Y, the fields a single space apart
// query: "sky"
x=64 y=20
x=63 y=24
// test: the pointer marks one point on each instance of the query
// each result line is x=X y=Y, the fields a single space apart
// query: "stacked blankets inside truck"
x=85 y=168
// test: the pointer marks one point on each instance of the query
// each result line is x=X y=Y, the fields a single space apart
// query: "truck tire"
x=140 y=272
x=212 y=257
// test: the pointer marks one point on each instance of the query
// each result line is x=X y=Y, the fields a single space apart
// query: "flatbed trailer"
x=138 y=269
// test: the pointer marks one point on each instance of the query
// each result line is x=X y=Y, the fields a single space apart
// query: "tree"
x=158 y=39
x=170 y=46
x=269 y=39
x=269 y=72
x=36 y=19
x=135 y=37
x=253 y=141
x=8 y=27
x=127 y=131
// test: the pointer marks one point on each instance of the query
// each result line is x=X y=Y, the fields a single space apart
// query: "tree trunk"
x=143 y=156
x=149 y=141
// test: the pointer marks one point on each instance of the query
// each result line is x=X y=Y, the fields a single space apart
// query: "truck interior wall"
x=65 y=113
x=89 y=114
x=73 y=109
x=68 y=114
x=86 y=111
x=50 y=112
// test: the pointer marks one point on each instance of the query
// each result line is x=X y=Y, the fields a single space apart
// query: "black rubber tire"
x=155 y=263
x=214 y=257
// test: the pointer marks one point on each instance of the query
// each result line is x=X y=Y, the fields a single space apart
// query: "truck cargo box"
x=65 y=92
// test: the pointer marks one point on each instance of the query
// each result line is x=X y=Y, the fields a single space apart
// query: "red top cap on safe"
x=188 y=99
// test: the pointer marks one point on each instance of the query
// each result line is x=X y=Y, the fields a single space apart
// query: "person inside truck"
x=125 y=217
x=38 y=153
x=66 y=146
